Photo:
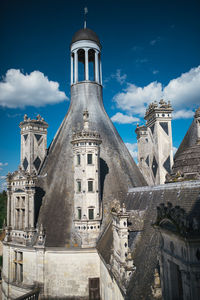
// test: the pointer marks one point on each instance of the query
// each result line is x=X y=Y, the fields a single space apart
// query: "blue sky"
x=151 y=49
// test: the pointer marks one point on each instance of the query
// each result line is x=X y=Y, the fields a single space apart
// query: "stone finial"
x=115 y=206
x=123 y=208
x=25 y=117
x=85 y=119
x=38 y=117
x=163 y=104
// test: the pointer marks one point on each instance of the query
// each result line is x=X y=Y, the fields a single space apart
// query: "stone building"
x=155 y=151
x=80 y=215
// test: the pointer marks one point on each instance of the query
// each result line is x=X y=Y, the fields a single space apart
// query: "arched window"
x=81 y=64
x=91 y=58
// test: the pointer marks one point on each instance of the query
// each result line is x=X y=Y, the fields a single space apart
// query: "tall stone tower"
x=155 y=153
x=87 y=206
x=33 y=143
x=116 y=170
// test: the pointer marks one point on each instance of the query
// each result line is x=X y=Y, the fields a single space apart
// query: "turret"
x=87 y=206
x=155 y=154
x=33 y=143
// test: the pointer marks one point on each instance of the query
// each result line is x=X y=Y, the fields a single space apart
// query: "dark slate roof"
x=146 y=199
x=85 y=34
x=118 y=171
x=187 y=157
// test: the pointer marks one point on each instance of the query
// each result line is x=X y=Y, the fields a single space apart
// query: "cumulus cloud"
x=135 y=99
x=124 y=119
x=183 y=114
x=132 y=149
x=183 y=92
x=34 y=89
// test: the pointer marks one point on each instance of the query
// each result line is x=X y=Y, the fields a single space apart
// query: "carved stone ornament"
x=177 y=216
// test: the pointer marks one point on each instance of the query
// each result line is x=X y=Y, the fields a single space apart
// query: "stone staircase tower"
x=87 y=206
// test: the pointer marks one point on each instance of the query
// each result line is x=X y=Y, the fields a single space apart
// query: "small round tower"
x=87 y=206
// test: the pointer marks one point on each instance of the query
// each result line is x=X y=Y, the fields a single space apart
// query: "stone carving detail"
x=121 y=260
x=156 y=288
x=177 y=216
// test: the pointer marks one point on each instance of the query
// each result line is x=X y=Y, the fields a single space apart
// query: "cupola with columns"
x=86 y=57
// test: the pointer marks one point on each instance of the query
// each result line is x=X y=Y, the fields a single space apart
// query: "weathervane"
x=85 y=13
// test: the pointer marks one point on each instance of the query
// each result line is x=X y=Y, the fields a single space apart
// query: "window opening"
x=79 y=213
x=79 y=186
x=18 y=266
x=91 y=213
x=78 y=159
x=90 y=185
x=89 y=159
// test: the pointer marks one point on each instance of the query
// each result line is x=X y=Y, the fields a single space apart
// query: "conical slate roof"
x=187 y=157
x=118 y=171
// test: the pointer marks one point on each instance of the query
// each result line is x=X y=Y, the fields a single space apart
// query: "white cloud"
x=34 y=89
x=135 y=99
x=3 y=165
x=120 y=78
x=155 y=72
x=132 y=149
x=183 y=114
x=183 y=92
x=124 y=119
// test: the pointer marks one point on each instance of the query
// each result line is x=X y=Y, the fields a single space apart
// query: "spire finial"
x=85 y=13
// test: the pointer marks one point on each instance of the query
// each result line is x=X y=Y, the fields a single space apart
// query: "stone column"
x=26 y=212
x=72 y=69
x=31 y=199
x=96 y=67
x=9 y=208
x=75 y=67
x=100 y=72
x=86 y=65
x=20 y=219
